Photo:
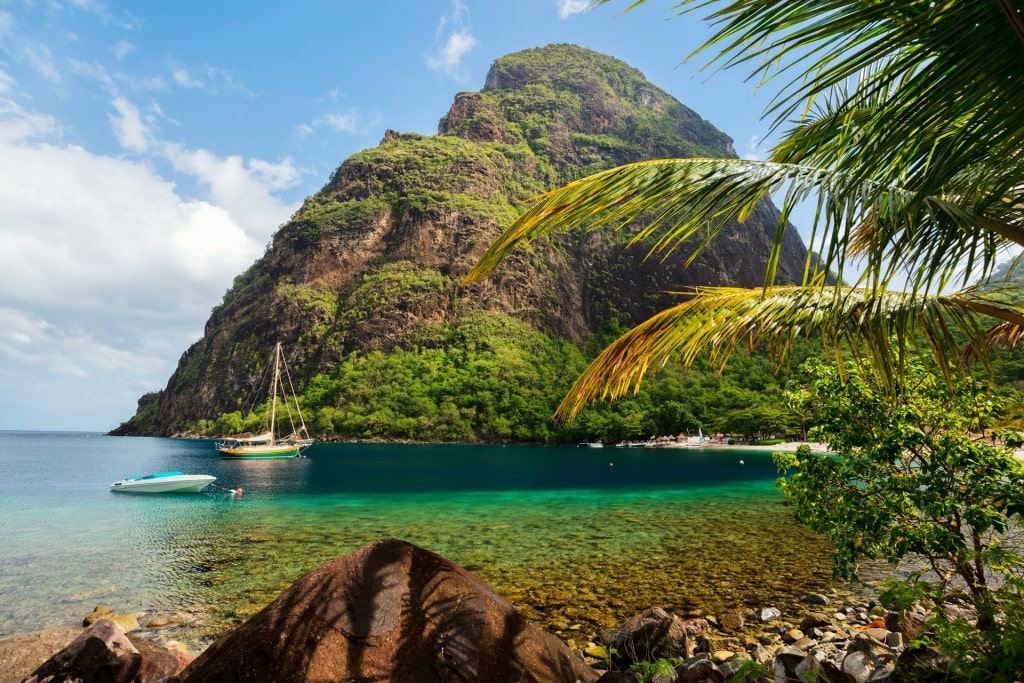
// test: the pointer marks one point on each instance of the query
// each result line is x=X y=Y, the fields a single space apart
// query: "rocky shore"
x=394 y=611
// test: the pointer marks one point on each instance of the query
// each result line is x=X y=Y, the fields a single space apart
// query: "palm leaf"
x=721 y=319
x=950 y=73
x=692 y=200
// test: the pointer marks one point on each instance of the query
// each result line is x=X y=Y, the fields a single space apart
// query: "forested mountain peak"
x=367 y=273
x=583 y=110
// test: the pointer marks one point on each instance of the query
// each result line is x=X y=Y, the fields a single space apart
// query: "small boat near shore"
x=164 y=482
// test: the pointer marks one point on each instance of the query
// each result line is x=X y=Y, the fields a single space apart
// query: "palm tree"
x=902 y=124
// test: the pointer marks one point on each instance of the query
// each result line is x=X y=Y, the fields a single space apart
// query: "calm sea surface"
x=577 y=538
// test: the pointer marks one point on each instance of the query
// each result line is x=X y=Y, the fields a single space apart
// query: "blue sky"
x=148 y=151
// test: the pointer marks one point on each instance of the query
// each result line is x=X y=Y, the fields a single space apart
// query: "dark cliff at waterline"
x=371 y=265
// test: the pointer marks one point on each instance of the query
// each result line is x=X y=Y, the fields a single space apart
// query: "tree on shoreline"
x=908 y=477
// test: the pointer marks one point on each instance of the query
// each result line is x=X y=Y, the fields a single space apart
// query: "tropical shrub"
x=915 y=477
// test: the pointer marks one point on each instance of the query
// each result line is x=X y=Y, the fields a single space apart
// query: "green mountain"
x=362 y=285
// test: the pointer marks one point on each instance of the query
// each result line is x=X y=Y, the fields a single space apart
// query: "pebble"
x=848 y=639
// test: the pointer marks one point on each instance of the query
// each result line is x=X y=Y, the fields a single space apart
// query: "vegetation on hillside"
x=490 y=378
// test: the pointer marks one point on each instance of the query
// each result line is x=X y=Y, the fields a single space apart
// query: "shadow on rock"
x=390 y=611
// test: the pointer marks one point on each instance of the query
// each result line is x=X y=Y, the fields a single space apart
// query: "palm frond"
x=721 y=319
x=692 y=200
x=950 y=73
x=720 y=190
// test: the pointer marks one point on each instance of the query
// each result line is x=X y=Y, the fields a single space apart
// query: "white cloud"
x=106 y=270
x=93 y=71
x=6 y=82
x=210 y=79
x=243 y=189
x=351 y=121
x=6 y=27
x=182 y=77
x=347 y=122
x=121 y=49
x=131 y=131
x=87 y=235
x=41 y=59
x=567 y=8
x=18 y=124
x=126 y=22
x=55 y=371
x=756 y=149
x=455 y=48
x=148 y=82
x=453 y=40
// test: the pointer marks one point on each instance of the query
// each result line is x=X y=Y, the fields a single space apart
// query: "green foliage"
x=143 y=423
x=310 y=298
x=906 y=479
x=994 y=654
x=391 y=283
x=912 y=189
x=490 y=378
x=428 y=174
x=648 y=672
x=575 y=106
x=320 y=215
x=751 y=671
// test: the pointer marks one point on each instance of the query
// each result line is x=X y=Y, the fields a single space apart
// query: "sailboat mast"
x=273 y=393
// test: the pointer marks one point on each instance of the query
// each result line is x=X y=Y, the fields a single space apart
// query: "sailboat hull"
x=258 y=452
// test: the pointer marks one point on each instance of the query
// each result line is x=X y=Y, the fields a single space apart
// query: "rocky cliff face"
x=375 y=258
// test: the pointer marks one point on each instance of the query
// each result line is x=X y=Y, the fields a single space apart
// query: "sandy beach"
x=788 y=447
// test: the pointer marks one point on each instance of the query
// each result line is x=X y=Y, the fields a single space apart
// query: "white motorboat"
x=164 y=482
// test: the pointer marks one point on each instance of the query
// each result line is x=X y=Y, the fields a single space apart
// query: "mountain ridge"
x=372 y=263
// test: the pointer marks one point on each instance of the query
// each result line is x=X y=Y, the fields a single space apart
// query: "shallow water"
x=578 y=539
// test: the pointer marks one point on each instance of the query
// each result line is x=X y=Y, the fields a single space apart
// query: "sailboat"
x=273 y=442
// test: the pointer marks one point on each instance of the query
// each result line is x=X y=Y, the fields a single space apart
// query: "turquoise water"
x=577 y=538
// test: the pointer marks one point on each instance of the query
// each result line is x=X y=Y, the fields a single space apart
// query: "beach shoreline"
x=788 y=447
x=791 y=447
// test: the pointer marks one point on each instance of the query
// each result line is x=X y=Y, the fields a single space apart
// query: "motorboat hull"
x=164 y=482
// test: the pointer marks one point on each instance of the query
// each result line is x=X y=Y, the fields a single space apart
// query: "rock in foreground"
x=100 y=653
x=390 y=611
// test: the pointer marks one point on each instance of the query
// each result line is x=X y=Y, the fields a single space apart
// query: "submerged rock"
x=390 y=611
x=127 y=622
x=847 y=647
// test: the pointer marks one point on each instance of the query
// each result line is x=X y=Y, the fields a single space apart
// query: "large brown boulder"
x=394 y=612
x=22 y=654
x=100 y=654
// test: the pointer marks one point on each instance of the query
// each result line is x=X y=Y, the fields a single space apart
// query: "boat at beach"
x=284 y=415
x=164 y=482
